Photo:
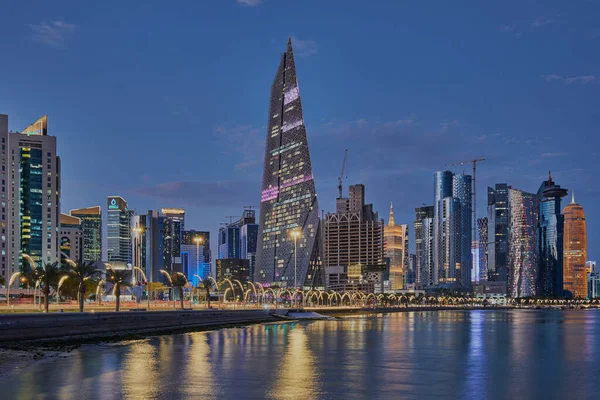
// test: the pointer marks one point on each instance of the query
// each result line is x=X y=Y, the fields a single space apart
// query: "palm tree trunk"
x=46 y=297
x=118 y=298
x=207 y=298
x=181 y=296
x=81 y=295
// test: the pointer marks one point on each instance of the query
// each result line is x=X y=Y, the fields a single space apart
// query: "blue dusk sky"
x=166 y=103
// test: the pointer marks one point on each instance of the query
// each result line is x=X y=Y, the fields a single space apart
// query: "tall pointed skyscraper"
x=289 y=212
x=396 y=249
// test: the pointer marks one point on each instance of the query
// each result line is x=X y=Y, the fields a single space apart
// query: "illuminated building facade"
x=522 y=243
x=575 y=250
x=195 y=255
x=442 y=189
x=30 y=194
x=354 y=237
x=118 y=230
x=288 y=200
x=91 y=225
x=498 y=225
x=234 y=269
x=593 y=285
x=70 y=238
x=174 y=226
x=449 y=272
x=551 y=228
x=396 y=249
x=424 y=246
x=482 y=232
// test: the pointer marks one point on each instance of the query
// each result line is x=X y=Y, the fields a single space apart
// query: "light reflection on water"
x=451 y=354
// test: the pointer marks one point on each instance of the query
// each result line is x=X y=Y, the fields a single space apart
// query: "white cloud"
x=250 y=3
x=540 y=21
x=583 y=79
x=55 y=33
x=304 y=48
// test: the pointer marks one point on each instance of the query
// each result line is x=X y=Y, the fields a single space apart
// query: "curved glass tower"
x=522 y=243
x=288 y=200
x=551 y=226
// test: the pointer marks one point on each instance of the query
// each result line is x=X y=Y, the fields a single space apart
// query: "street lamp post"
x=199 y=240
x=10 y=282
x=295 y=235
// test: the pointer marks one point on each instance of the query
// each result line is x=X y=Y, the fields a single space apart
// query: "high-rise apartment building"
x=248 y=242
x=551 y=228
x=118 y=231
x=449 y=264
x=70 y=238
x=30 y=194
x=289 y=211
x=575 y=250
x=424 y=246
x=482 y=233
x=522 y=266
x=174 y=226
x=91 y=226
x=354 y=239
x=497 y=260
x=442 y=190
x=396 y=250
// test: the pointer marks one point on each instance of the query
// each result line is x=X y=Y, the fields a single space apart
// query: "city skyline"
x=519 y=149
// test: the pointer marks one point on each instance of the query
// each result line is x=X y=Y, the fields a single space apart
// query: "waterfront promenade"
x=74 y=326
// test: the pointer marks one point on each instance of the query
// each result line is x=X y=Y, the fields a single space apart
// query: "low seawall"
x=63 y=326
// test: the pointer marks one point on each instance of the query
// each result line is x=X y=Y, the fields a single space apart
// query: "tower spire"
x=391 y=222
x=572 y=196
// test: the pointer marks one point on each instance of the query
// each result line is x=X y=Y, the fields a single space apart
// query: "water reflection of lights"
x=297 y=378
x=141 y=371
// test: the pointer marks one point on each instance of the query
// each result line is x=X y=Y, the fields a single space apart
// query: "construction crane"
x=231 y=217
x=342 y=173
x=474 y=162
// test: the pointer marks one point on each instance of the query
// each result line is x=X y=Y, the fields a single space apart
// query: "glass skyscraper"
x=498 y=233
x=442 y=189
x=522 y=243
x=91 y=226
x=449 y=272
x=288 y=199
x=551 y=228
x=424 y=246
x=119 y=230
x=462 y=190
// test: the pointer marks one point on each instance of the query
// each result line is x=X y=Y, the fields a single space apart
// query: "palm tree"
x=119 y=278
x=81 y=272
x=206 y=283
x=48 y=274
x=178 y=280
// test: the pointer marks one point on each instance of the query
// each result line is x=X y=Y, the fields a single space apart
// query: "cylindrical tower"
x=575 y=250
